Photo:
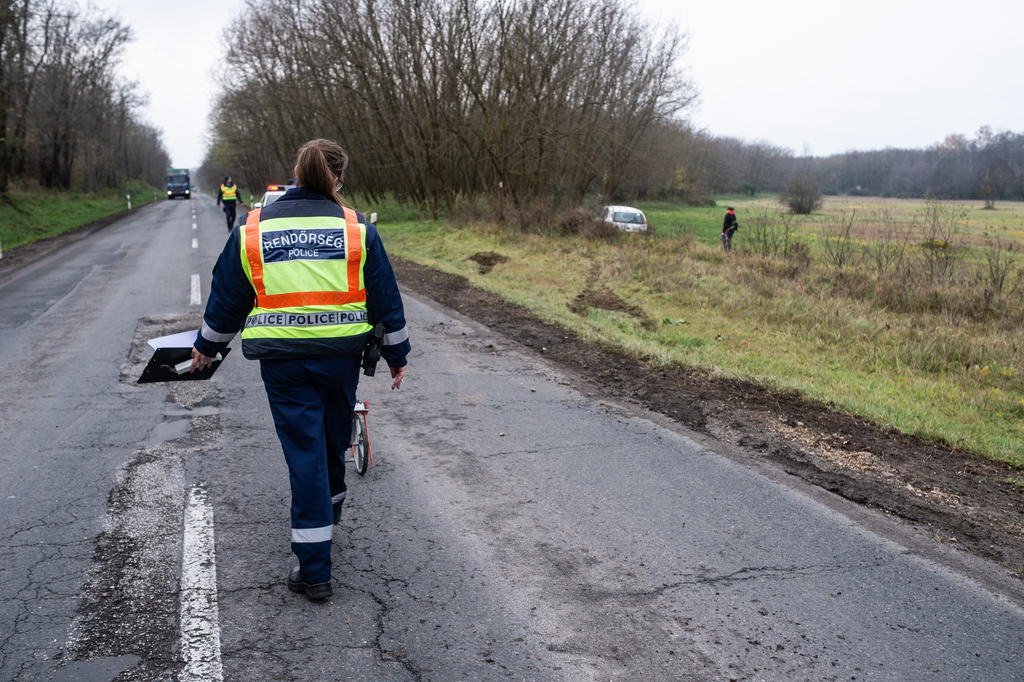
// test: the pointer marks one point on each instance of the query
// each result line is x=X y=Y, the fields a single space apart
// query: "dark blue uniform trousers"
x=312 y=401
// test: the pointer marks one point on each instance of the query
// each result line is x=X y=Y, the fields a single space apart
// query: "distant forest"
x=69 y=121
x=989 y=167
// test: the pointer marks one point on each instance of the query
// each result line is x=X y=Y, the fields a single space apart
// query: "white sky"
x=816 y=75
x=853 y=75
x=176 y=51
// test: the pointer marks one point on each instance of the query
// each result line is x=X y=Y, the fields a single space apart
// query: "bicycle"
x=361 y=455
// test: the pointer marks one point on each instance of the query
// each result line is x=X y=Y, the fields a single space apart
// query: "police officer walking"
x=306 y=279
x=228 y=195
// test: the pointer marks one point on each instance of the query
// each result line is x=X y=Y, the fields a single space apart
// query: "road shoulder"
x=949 y=497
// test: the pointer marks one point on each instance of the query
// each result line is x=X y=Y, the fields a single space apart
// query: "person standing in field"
x=307 y=279
x=228 y=195
x=729 y=227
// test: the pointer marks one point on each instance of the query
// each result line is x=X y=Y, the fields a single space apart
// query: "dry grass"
x=926 y=339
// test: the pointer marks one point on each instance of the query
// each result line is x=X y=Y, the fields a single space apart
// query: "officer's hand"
x=397 y=373
x=199 y=361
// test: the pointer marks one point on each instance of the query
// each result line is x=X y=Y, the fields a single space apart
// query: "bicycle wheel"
x=361 y=445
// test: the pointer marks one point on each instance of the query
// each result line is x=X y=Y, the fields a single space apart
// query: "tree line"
x=69 y=121
x=443 y=101
x=989 y=166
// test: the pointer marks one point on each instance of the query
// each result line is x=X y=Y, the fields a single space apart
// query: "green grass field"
x=705 y=223
x=943 y=362
x=33 y=213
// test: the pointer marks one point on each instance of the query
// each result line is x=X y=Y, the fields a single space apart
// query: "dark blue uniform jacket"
x=232 y=296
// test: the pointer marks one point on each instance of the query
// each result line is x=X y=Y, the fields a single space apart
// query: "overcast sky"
x=816 y=77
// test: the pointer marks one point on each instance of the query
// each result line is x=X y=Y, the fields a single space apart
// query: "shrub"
x=599 y=229
x=467 y=213
x=580 y=222
x=837 y=240
x=574 y=221
x=801 y=195
x=748 y=188
x=530 y=219
x=525 y=219
x=770 y=234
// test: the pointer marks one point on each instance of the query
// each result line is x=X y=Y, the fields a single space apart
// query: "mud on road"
x=955 y=497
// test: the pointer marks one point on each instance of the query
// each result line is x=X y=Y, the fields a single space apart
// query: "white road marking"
x=200 y=625
x=195 y=243
x=193 y=224
x=197 y=293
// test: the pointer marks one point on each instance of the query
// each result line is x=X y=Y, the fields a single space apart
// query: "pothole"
x=153 y=327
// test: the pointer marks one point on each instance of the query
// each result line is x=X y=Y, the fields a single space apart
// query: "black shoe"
x=312 y=590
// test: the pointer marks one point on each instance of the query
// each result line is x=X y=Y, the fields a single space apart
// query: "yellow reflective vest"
x=307 y=272
x=229 y=193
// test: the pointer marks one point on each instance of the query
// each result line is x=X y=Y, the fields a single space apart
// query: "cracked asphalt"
x=512 y=528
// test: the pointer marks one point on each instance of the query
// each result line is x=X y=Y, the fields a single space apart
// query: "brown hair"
x=318 y=163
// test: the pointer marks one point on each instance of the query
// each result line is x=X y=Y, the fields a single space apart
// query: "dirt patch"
x=955 y=496
x=487 y=260
x=596 y=296
x=602 y=298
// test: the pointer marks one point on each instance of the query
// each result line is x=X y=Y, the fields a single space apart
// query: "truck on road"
x=178 y=184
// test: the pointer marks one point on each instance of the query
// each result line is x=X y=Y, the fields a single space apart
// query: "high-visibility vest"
x=308 y=276
x=229 y=193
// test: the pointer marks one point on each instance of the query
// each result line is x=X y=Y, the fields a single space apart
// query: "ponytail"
x=318 y=163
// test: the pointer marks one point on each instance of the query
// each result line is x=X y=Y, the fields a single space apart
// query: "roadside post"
x=129 y=202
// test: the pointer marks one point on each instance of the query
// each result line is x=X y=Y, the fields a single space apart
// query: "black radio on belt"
x=371 y=354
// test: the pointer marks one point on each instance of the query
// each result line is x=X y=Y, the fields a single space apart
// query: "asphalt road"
x=511 y=528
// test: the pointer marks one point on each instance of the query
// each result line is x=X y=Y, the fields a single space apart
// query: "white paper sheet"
x=180 y=340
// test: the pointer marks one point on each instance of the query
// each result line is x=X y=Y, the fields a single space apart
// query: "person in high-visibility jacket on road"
x=305 y=279
x=229 y=195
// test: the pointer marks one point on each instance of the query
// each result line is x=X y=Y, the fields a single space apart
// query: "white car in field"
x=625 y=218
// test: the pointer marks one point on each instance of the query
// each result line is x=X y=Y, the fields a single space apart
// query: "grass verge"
x=32 y=213
x=833 y=334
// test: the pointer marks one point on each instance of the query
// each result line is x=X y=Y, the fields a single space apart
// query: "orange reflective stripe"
x=355 y=249
x=310 y=298
x=253 y=251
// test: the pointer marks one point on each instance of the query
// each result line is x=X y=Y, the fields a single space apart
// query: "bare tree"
x=69 y=121
x=997 y=179
x=441 y=99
